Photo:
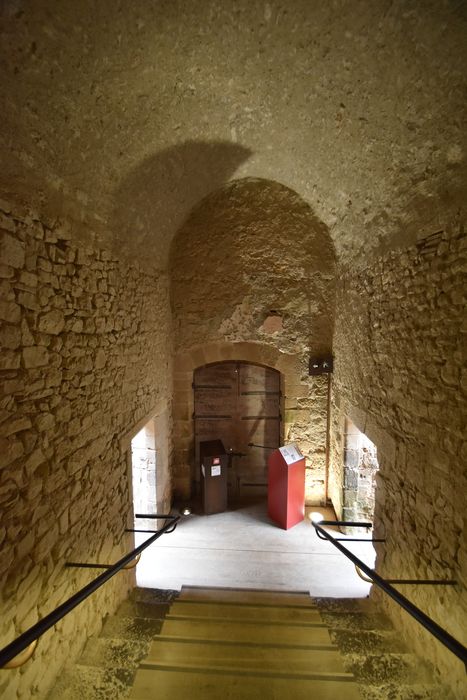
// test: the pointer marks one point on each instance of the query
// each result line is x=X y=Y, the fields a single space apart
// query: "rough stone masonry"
x=85 y=355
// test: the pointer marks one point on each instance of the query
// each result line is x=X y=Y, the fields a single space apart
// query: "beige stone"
x=52 y=322
x=9 y=311
x=11 y=449
x=36 y=356
x=12 y=251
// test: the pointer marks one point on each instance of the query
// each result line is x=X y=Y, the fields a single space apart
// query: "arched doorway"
x=240 y=404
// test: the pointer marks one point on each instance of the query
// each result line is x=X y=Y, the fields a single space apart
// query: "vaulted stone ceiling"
x=125 y=114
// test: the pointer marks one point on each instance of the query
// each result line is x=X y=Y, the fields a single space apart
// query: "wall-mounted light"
x=316 y=517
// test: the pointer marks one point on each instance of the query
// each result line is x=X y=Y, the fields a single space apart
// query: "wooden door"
x=239 y=403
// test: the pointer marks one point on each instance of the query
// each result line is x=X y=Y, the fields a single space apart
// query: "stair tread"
x=131 y=628
x=247 y=670
x=149 y=610
x=245 y=595
x=163 y=651
x=230 y=686
x=239 y=611
x=239 y=631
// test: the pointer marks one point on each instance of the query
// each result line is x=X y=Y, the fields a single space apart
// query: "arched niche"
x=252 y=278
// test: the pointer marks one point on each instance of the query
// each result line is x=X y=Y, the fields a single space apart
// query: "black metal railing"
x=31 y=635
x=441 y=635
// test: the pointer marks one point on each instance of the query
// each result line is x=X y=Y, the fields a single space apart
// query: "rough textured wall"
x=84 y=358
x=401 y=377
x=253 y=265
x=358 y=106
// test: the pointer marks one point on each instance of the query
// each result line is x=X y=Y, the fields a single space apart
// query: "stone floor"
x=242 y=548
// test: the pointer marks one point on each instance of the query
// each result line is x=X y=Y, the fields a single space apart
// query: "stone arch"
x=250 y=250
x=187 y=362
x=252 y=274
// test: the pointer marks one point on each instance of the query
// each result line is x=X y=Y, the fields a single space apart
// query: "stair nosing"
x=247 y=590
x=246 y=605
x=244 y=621
x=238 y=671
x=225 y=642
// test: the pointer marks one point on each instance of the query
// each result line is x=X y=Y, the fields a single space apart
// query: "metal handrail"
x=25 y=639
x=441 y=635
x=408 y=581
x=350 y=523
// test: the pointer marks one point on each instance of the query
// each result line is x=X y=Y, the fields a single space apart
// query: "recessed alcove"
x=360 y=469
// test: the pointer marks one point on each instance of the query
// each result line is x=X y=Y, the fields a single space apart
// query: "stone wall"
x=85 y=356
x=360 y=469
x=400 y=333
x=252 y=278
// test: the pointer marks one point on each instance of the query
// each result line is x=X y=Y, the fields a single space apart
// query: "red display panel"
x=286 y=486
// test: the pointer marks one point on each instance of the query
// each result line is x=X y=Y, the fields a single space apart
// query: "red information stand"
x=286 y=486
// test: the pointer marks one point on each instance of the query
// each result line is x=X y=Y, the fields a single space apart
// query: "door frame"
x=195 y=471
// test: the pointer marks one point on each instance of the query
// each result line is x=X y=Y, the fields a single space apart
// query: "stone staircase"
x=227 y=643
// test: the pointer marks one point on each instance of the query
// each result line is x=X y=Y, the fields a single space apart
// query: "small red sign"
x=216 y=460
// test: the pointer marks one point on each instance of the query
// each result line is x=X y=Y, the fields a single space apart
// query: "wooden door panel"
x=215 y=402
x=239 y=403
x=259 y=405
x=222 y=374
x=260 y=378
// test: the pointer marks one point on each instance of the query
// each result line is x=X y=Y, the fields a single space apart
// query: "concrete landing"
x=242 y=548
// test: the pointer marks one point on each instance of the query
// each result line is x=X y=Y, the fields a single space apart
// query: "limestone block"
x=35 y=356
x=16 y=425
x=35 y=459
x=12 y=251
x=55 y=481
x=28 y=300
x=52 y=322
x=10 y=449
x=6 y=272
x=35 y=487
x=9 y=359
x=9 y=495
x=9 y=311
x=100 y=359
x=63 y=521
x=10 y=337
x=44 y=422
x=25 y=544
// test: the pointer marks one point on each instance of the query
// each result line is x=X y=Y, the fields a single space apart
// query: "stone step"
x=135 y=628
x=93 y=683
x=148 y=610
x=299 y=614
x=378 y=668
x=114 y=653
x=355 y=620
x=346 y=605
x=232 y=656
x=360 y=641
x=245 y=596
x=266 y=633
x=213 y=685
x=153 y=595
x=399 y=691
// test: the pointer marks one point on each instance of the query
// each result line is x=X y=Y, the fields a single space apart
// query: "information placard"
x=291 y=453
